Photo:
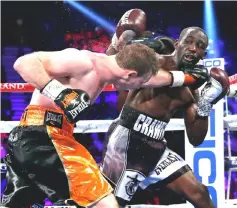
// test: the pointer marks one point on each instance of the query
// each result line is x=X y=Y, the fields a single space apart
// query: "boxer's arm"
x=39 y=68
x=170 y=78
x=122 y=96
x=196 y=126
x=176 y=78
x=161 y=79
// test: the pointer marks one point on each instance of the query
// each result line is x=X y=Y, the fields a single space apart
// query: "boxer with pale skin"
x=67 y=82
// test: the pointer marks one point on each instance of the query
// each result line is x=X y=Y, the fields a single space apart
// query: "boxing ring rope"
x=91 y=126
x=25 y=87
x=99 y=126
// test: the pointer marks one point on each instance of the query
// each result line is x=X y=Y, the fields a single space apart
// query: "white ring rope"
x=98 y=126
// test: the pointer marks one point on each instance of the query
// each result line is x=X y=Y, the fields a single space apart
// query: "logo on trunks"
x=13 y=137
x=131 y=186
x=150 y=127
x=165 y=163
x=53 y=119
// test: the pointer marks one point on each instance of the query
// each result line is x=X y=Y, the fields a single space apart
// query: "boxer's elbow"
x=22 y=63
x=196 y=140
x=196 y=132
x=19 y=64
x=196 y=126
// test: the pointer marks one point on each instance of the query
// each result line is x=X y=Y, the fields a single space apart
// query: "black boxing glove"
x=157 y=45
x=189 y=76
x=168 y=45
x=161 y=45
x=72 y=101
x=198 y=74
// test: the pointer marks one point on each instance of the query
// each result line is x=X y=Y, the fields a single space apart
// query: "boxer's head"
x=139 y=63
x=191 y=46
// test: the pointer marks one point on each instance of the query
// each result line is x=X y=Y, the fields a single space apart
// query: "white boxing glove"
x=208 y=94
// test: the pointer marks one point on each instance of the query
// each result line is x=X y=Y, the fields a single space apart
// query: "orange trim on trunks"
x=87 y=184
x=36 y=115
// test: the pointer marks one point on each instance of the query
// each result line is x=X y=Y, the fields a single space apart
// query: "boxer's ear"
x=176 y=43
x=131 y=74
x=204 y=55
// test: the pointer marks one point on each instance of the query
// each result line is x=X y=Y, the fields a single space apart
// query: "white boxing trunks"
x=136 y=154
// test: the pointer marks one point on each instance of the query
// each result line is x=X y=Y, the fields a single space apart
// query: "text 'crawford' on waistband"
x=140 y=122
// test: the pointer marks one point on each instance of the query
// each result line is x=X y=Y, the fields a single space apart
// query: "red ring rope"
x=24 y=87
x=233 y=79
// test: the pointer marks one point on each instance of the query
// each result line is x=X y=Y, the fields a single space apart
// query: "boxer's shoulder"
x=78 y=53
x=80 y=59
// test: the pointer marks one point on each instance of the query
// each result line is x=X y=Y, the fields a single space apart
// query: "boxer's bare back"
x=76 y=69
x=75 y=75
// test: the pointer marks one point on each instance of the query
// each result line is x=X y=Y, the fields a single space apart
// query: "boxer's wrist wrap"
x=72 y=101
x=52 y=89
x=204 y=108
x=178 y=78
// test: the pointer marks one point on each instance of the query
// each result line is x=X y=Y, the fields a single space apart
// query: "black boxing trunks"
x=45 y=161
x=136 y=154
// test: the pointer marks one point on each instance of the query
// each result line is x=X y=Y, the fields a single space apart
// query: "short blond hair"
x=138 y=57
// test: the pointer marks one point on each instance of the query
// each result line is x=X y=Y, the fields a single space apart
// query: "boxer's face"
x=191 y=47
